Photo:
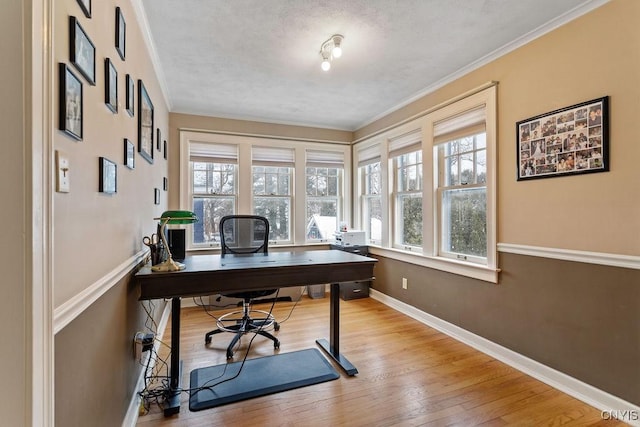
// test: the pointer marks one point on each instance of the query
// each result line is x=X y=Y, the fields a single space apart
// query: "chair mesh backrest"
x=244 y=234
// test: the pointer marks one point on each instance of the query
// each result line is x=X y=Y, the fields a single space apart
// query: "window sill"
x=462 y=268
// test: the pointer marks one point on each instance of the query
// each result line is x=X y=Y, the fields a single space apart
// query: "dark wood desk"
x=211 y=274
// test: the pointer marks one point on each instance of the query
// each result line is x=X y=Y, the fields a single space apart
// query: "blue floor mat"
x=259 y=377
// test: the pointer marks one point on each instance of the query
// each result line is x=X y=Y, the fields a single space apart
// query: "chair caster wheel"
x=229 y=356
x=276 y=326
x=276 y=345
x=207 y=340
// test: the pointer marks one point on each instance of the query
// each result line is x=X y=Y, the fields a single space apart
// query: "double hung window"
x=213 y=177
x=324 y=182
x=273 y=189
x=405 y=153
x=462 y=186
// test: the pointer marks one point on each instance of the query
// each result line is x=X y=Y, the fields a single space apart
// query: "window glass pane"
x=258 y=183
x=322 y=218
x=465 y=144
x=372 y=179
x=200 y=181
x=271 y=183
x=451 y=170
x=311 y=185
x=466 y=169
x=373 y=212
x=283 y=183
x=410 y=214
x=209 y=211
x=278 y=211
x=332 y=185
x=481 y=167
x=464 y=222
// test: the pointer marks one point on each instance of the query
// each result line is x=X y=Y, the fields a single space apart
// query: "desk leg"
x=173 y=394
x=332 y=348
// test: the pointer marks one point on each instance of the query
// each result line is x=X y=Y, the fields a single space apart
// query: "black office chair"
x=245 y=234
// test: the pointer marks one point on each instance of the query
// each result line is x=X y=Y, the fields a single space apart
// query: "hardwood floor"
x=409 y=375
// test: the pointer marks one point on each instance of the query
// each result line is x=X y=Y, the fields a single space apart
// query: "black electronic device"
x=176 y=241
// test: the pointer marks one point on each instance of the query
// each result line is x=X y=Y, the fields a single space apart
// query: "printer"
x=350 y=238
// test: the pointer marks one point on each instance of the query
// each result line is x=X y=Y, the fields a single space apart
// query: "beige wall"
x=14 y=320
x=95 y=232
x=594 y=56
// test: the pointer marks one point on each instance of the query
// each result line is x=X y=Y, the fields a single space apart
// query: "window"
x=431 y=183
x=370 y=185
x=273 y=189
x=213 y=189
x=323 y=178
x=406 y=155
x=462 y=192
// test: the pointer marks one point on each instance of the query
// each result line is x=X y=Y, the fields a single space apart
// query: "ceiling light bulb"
x=326 y=65
x=336 y=52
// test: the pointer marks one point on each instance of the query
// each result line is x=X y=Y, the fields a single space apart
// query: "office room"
x=115 y=108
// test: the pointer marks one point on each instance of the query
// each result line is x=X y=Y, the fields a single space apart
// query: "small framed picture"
x=145 y=123
x=108 y=176
x=129 y=95
x=165 y=183
x=129 y=154
x=570 y=141
x=165 y=149
x=121 y=33
x=85 y=5
x=110 y=86
x=156 y=196
x=159 y=140
x=82 y=52
x=70 y=103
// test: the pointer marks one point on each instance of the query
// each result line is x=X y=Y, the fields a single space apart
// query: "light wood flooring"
x=409 y=375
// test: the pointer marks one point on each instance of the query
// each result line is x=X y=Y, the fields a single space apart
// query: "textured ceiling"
x=259 y=59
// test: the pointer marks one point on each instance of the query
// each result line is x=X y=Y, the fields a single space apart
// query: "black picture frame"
x=156 y=196
x=70 y=103
x=110 y=85
x=165 y=184
x=158 y=139
x=108 y=182
x=129 y=154
x=569 y=141
x=165 y=150
x=121 y=33
x=85 y=5
x=145 y=123
x=82 y=52
x=130 y=90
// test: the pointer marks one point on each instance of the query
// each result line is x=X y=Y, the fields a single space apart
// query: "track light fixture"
x=331 y=49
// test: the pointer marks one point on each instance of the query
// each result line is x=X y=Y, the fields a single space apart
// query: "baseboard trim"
x=131 y=417
x=595 y=397
x=72 y=308
x=601 y=258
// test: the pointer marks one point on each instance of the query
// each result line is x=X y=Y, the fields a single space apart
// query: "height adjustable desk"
x=211 y=274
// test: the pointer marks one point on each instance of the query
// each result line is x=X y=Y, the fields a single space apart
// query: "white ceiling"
x=259 y=59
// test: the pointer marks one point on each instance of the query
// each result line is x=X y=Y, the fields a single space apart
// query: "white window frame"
x=245 y=178
x=486 y=270
x=330 y=160
x=275 y=157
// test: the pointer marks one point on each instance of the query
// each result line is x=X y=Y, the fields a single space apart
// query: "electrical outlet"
x=404 y=283
x=141 y=343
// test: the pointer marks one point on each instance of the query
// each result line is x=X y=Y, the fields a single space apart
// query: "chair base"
x=230 y=322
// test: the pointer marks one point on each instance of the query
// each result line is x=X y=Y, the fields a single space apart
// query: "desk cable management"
x=156 y=395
